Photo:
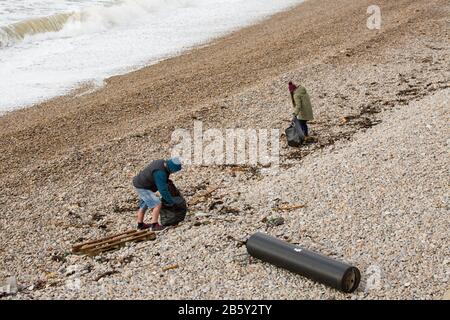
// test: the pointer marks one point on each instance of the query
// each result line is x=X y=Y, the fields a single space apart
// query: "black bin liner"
x=172 y=215
x=294 y=134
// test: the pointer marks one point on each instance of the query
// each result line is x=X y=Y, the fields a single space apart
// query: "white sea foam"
x=50 y=50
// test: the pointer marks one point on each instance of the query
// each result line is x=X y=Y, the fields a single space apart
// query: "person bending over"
x=154 y=177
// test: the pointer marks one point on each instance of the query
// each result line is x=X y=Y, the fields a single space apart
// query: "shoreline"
x=66 y=165
x=75 y=91
x=76 y=87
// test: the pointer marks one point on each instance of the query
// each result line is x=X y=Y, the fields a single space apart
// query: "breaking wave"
x=89 y=20
x=18 y=31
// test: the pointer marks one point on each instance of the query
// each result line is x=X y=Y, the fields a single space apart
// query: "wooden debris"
x=113 y=242
x=202 y=197
x=229 y=210
x=106 y=274
x=239 y=243
x=348 y=119
x=175 y=266
x=290 y=207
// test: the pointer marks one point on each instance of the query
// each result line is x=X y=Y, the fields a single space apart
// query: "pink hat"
x=292 y=87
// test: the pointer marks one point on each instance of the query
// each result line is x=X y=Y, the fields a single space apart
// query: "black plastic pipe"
x=317 y=267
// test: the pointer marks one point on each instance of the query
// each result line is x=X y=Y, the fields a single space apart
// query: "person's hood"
x=174 y=165
x=292 y=87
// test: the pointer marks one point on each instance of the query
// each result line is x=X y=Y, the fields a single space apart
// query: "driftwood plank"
x=111 y=239
x=78 y=246
x=175 y=266
x=113 y=242
x=118 y=244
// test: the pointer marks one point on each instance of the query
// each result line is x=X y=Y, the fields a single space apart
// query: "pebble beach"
x=371 y=190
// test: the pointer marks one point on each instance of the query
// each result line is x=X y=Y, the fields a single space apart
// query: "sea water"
x=49 y=47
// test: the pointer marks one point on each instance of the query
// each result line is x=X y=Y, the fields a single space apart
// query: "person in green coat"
x=302 y=106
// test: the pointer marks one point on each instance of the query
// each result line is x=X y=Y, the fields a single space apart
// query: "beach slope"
x=374 y=182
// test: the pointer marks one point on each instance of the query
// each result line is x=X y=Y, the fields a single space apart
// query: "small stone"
x=274 y=222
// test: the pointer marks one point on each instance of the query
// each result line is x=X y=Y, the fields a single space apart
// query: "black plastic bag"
x=294 y=134
x=172 y=215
